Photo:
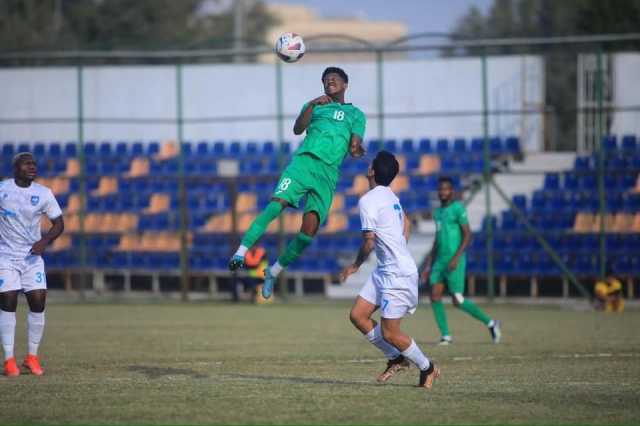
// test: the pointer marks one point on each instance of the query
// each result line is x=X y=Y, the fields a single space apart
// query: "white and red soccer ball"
x=290 y=47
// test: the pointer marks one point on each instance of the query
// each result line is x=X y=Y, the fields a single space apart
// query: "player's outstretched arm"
x=303 y=120
x=355 y=146
x=366 y=247
x=54 y=232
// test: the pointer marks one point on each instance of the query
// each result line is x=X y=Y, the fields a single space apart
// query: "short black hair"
x=445 y=179
x=19 y=157
x=385 y=168
x=336 y=70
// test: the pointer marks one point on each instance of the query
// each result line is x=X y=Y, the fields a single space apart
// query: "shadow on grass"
x=309 y=380
x=159 y=372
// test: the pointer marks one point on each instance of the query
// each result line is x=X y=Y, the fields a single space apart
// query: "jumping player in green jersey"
x=446 y=263
x=334 y=129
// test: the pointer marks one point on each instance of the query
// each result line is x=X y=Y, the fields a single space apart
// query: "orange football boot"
x=11 y=368
x=32 y=363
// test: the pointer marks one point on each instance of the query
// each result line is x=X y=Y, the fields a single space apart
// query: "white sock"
x=415 y=355
x=7 y=332
x=491 y=323
x=375 y=338
x=242 y=250
x=35 y=329
x=275 y=269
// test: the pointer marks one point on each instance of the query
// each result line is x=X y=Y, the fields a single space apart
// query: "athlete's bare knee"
x=310 y=224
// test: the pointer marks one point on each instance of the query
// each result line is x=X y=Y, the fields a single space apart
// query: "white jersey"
x=381 y=212
x=20 y=212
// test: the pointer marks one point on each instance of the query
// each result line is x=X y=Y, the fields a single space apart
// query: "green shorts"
x=307 y=176
x=454 y=280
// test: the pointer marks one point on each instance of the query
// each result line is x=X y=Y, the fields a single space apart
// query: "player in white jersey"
x=22 y=204
x=393 y=285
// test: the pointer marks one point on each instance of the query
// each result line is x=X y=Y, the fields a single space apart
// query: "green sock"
x=294 y=249
x=441 y=317
x=261 y=223
x=472 y=309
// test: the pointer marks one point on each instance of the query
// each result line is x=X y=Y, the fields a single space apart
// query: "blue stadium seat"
x=152 y=148
x=512 y=144
x=520 y=201
x=218 y=148
x=202 y=149
x=477 y=145
x=137 y=149
x=374 y=145
x=39 y=150
x=90 y=149
x=285 y=148
x=629 y=143
x=391 y=145
x=582 y=163
x=268 y=148
x=186 y=148
x=609 y=143
x=425 y=146
x=70 y=150
x=495 y=145
x=551 y=181
x=407 y=147
x=104 y=149
x=251 y=148
x=122 y=150
x=8 y=150
x=459 y=146
x=24 y=147
x=442 y=146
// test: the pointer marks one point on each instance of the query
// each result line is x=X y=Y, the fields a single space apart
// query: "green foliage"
x=546 y=18
x=42 y=25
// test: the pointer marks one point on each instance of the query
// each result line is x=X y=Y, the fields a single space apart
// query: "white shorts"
x=22 y=274
x=396 y=296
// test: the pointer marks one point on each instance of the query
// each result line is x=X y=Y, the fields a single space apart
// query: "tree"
x=545 y=18
x=42 y=25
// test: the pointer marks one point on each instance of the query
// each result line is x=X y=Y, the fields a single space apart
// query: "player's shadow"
x=309 y=380
x=159 y=372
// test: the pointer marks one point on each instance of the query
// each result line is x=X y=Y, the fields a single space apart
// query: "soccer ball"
x=290 y=47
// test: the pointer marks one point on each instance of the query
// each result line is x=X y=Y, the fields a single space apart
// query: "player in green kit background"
x=334 y=129
x=446 y=263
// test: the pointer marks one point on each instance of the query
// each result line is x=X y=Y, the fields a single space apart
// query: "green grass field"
x=221 y=363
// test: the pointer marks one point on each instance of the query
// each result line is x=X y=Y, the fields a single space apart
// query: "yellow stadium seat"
x=63 y=242
x=336 y=222
x=128 y=242
x=360 y=185
x=72 y=223
x=219 y=223
x=74 y=204
x=158 y=203
x=167 y=150
x=608 y=223
x=73 y=167
x=429 y=164
x=583 y=222
x=635 y=226
x=402 y=163
x=246 y=202
x=60 y=185
x=400 y=184
x=622 y=222
x=337 y=205
x=107 y=185
x=139 y=167
x=126 y=222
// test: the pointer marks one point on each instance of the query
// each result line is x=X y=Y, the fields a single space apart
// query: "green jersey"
x=448 y=233
x=329 y=132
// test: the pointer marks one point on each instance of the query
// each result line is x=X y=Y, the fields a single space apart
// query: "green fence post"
x=82 y=180
x=380 y=94
x=283 y=282
x=599 y=83
x=487 y=178
x=182 y=192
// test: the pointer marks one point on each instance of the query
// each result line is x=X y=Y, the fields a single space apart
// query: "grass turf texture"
x=218 y=363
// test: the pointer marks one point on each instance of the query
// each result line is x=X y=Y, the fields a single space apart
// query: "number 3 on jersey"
x=338 y=115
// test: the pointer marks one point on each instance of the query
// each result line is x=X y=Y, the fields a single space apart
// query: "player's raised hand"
x=38 y=247
x=347 y=271
x=321 y=100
